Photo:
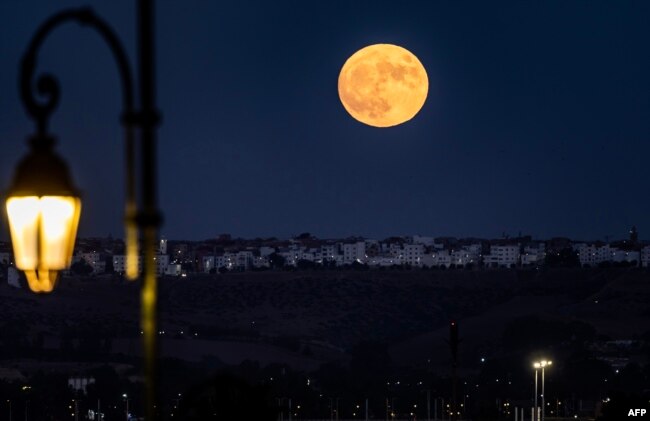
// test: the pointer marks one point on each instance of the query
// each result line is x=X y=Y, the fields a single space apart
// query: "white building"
x=13 y=277
x=506 y=255
x=329 y=252
x=382 y=261
x=412 y=254
x=621 y=256
x=291 y=255
x=309 y=255
x=162 y=262
x=592 y=255
x=80 y=384
x=173 y=269
x=645 y=256
x=5 y=258
x=438 y=258
x=395 y=249
x=208 y=264
x=534 y=254
x=95 y=261
x=464 y=256
x=354 y=252
x=217 y=262
x=261 y=262
x=244 y=260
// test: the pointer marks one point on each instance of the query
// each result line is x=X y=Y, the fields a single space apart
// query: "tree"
x=358 y=266
x=370 y=366
x=225 y=397
x=567 y=257
x=276 y=260
x=531 y=332
x=619 y=404
x=81 y=268
x=305 y=264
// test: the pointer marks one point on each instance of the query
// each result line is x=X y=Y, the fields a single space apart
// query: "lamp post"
x=43 y=204
x=280 y=401
x=9 y=403
x=537 y=365
x=126 y=411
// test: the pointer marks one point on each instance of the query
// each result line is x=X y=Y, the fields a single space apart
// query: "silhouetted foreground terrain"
x=312 y=335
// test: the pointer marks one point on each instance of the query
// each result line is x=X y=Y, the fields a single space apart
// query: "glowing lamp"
x=43 y=209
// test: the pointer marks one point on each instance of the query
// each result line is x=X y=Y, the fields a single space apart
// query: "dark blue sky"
x=537 y=119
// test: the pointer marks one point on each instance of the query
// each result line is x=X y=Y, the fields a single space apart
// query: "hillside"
x=333 y=310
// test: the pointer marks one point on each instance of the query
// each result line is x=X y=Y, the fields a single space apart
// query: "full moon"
x=383 y=85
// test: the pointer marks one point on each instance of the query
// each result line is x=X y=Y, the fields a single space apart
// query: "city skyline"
x=372 y=210
x=535 y=119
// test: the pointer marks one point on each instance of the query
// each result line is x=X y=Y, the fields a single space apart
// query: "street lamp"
x=43 y=205
x=537 y=365
x=43 y=215
x=126 y=400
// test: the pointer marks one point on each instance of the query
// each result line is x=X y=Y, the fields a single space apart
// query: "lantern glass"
x=43 y=231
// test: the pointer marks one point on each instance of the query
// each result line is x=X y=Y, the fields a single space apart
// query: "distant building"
x=645 y=256
x=13 y=277
x=119 y=263
x=382 y=261
x=260 y=262
x=502 y=255
x=464 y=256
x=174 y=269
x=94 y=260
x=354 y=252
x=593 y=254
x=80 y=384
x=328 y=252
x=533 y=254
x=309 y=255
x=5 y=258
x=162 y=262
x=626 y=256
x=244 y=260
x=412 y=254
x=439 y=258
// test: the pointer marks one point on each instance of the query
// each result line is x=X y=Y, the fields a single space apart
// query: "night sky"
x=537 y=119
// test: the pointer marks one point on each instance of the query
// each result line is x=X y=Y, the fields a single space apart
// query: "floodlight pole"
x=535 y=416
x=543 y=394
x=147 y=219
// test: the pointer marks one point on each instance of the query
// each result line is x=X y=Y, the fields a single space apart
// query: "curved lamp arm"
x=47 y=87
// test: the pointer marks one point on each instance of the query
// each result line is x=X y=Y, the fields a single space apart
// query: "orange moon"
x=383 y=85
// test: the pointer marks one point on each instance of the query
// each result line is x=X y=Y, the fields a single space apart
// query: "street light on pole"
x=537 y=365
x=43 y=205
x=126 y=412
x=544 y=365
